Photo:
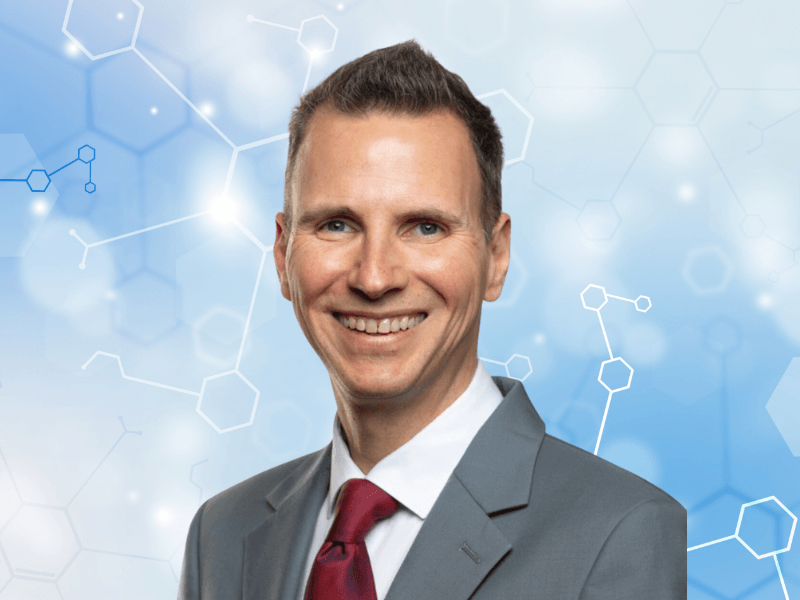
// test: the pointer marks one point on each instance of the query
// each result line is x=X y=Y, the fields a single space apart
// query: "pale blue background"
x=663 y=161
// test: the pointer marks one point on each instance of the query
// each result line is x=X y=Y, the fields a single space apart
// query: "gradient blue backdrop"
x=652 y=150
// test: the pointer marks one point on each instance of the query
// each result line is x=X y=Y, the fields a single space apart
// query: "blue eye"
x=334 y=221
x=430 y=224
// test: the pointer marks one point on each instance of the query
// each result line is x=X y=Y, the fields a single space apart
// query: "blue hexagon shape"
x=688 y=371
x=104 y=28
x=228 y=401
x=594 y=297
x=39 y=539
x=784 y=406
x=90 y=187
x=599 y=220
x=38 y=180
x=675 y=88
x=615 y=375
x=707 y=271
x=317 y=35
x=86 y=154
x=145 y=307
x=22 y=213
x=766 y=527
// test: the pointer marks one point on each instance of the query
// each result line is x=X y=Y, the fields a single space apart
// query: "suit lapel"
x=459 y=544
x=275 y=552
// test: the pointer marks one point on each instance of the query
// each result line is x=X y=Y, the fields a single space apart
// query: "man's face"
x=387 y=225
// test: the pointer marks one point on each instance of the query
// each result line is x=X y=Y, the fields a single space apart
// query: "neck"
x=375 y=430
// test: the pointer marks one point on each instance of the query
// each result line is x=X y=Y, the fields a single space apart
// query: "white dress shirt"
x=414 y=474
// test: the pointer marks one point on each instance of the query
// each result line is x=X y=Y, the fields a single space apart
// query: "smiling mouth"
x=382 y=327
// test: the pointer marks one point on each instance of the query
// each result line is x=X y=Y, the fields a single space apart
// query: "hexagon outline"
x=605 y=297
x=28 y=180
x=692 y=256
x=300 y=32
x=203 y=391
x=649 y=304
x=603 y=366
x=525 y=112
x=505 y=364
x=94 y=154
x=774 y=552
x=112 y=52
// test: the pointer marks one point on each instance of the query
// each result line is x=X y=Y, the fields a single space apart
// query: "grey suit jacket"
x=523 y=515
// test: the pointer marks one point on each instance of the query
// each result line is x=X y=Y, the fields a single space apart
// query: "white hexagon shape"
x=615 y=374
x=103 y=575
x=766 y=522
x=144 y=307
x=688 y=371
x=512 y=119
x=599 y=220
x=23 y=211
x=707 y=270
x=476 y=26
x=752 y=226
x=675 y=88
x=317 y=35
x=521 y=365
x=784 y=408
x=39 y=541
x=108 y=27
x=594 y=297
x=228 y=401
x=642 y=303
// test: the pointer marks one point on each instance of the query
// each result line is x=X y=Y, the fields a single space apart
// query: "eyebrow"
x=325 y=213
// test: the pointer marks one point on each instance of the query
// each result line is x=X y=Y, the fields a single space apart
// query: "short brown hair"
x=403 y=79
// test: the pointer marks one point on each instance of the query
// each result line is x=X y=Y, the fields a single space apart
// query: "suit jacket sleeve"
x=644 y=556
x=189 y=586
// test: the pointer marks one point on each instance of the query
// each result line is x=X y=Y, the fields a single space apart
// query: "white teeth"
x=385 y=326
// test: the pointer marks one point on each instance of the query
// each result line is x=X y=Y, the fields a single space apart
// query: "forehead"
x=387 y=160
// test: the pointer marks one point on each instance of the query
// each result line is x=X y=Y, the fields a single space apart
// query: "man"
x=440 y=481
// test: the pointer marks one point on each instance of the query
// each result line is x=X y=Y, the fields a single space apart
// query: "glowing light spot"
x=340 y=6
x=163 y=516
x=71 y=49
x=223 y=209
x=154 y=110
x=111 y=295
x=120 y=16
x=39 y=207
x=133 y=496
x=686 y=192
x=765 y=301
x=207 y=109
x=538 y=339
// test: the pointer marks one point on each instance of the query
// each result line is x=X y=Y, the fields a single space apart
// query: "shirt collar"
x=416 y=473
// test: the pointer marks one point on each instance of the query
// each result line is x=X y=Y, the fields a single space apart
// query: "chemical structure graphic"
x=223 y=208
x=773 y=554
x=38 y=180
x=615 y=370
x=519 y=358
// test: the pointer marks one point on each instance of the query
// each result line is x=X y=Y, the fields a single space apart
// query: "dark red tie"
x=342 y=570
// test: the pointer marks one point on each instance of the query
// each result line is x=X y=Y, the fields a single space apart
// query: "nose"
x=380 y=265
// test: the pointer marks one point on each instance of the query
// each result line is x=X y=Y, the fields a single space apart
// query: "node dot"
x=81 y=266
x=72 y=232
x=250 y=18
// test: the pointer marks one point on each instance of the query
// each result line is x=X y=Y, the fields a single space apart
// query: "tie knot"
x=361 y=504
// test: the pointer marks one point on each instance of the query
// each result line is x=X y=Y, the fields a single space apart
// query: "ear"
x=499 y=257
x=279 y=253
